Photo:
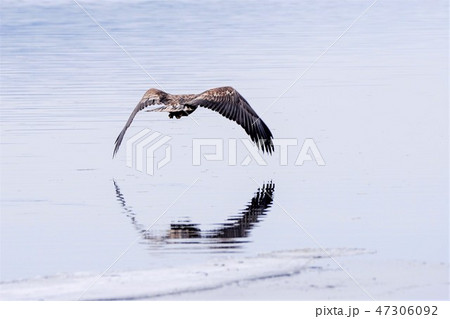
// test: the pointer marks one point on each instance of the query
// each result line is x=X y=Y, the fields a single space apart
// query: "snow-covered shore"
x=289 y=275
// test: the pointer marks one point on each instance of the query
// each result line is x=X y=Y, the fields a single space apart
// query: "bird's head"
x=155 y=95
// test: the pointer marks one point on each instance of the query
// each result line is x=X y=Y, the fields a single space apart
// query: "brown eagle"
x=224 y=100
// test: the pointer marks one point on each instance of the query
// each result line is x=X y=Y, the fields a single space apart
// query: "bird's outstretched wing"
x=151 y=97
x=229 y=103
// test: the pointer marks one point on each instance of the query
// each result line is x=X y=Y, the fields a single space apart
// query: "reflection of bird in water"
x=240 y=225
x=128 y=211
x=237 y=226
x=224 y=100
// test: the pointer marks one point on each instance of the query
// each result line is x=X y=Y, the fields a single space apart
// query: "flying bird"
x=224 y=100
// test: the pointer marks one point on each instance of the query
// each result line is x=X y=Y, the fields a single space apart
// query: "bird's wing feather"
x=146 y=100
x=229 y=103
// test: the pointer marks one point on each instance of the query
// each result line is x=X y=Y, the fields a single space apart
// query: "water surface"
x=376 y=105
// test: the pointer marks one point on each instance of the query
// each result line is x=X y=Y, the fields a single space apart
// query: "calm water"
x=375 y=104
